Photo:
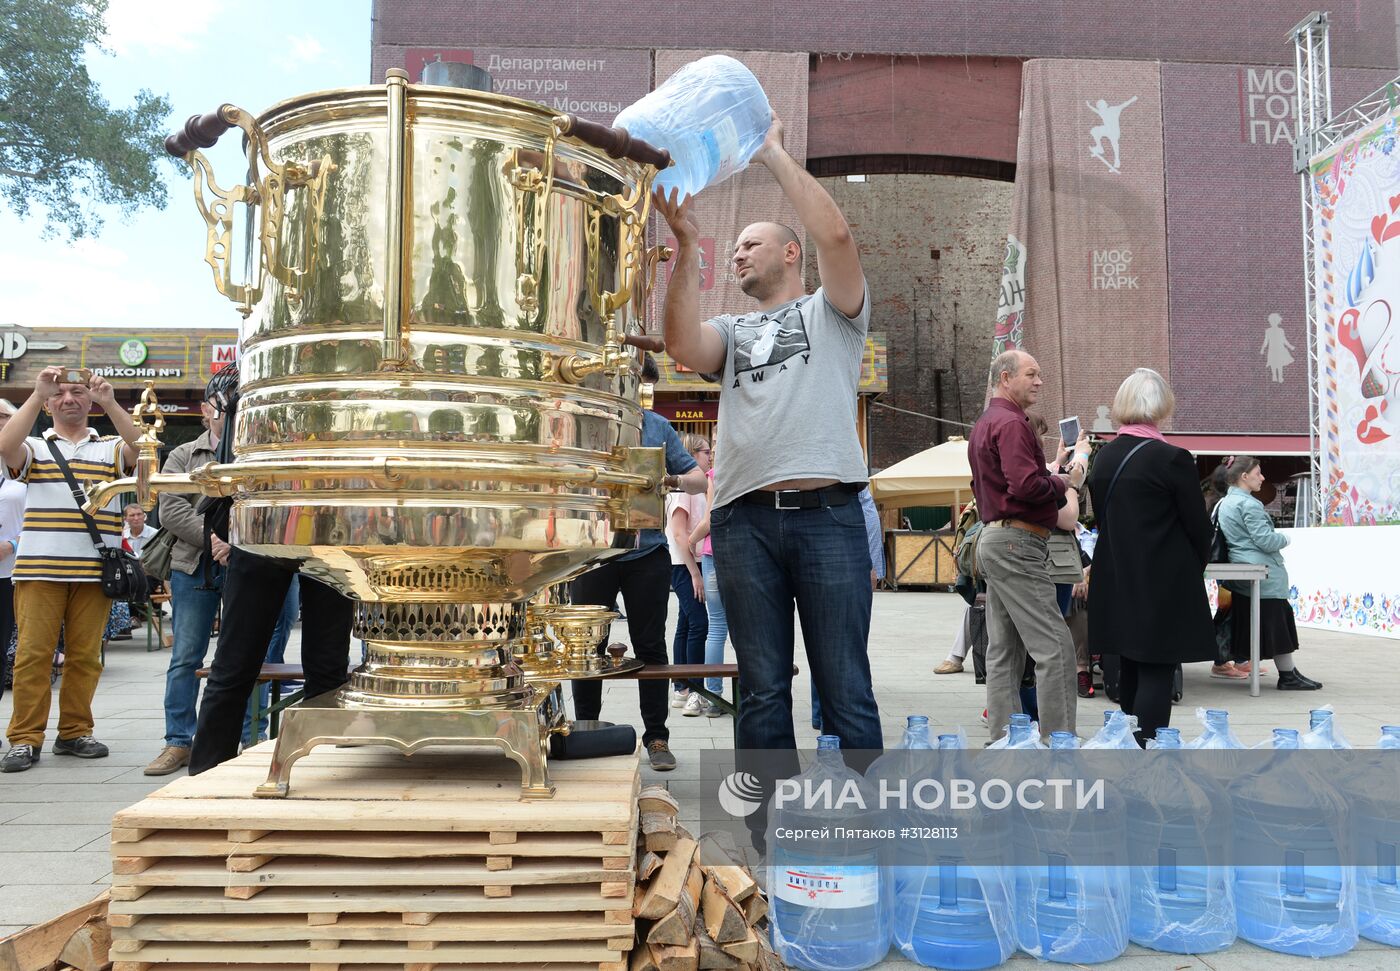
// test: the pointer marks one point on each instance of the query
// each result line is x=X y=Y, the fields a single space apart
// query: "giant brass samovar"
x=439 y=412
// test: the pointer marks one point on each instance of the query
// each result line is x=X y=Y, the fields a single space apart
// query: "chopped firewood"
x=656 y=799
x=683 y=833
x=767 y=960
x=712 y=956
x=87 y=949
x=641 y=959
x=664 y=891
x=736 y=882
x=755 y=908
x=647 y=865
x=638 y=895
x=682 y=957
x=659 y=832
x=723 y=918
x=676 y=927
x=695 y=883
x=745 y=950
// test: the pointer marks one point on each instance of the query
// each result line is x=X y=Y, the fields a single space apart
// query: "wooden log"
x=656 y=799
x=89 y=949
x=695 y=882
x=712 y=957
x=647 y=865
x=659 y=832
x=664 y=892
x=676 y=927
x=39 y=947
x=723 y=918
x=682 y=957
x=641 y=959
x=755 y=908
x=745 y=950
x=734 y=879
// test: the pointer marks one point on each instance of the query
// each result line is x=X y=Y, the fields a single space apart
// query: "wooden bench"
x=155 y=622
x=693 y=675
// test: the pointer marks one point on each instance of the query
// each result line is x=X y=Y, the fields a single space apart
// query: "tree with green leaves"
x=63 y=150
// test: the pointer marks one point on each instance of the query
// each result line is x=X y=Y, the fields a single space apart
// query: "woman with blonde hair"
x=1149 y=602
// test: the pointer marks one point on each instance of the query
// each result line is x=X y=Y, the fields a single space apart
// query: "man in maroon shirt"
x=1019 y=501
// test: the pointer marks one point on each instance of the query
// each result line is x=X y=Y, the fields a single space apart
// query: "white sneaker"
x=678 y=698
x=694 y=705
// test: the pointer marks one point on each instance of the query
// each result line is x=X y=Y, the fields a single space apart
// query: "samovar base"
x=519 y=733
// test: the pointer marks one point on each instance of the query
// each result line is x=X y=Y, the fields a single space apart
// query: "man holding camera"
x=58 y=571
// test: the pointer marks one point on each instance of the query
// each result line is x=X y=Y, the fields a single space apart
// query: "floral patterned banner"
x=1345 y=579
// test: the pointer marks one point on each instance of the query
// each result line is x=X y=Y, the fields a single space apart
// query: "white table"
x=1254 y=574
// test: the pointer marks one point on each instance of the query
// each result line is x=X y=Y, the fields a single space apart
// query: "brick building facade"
x=925 y=99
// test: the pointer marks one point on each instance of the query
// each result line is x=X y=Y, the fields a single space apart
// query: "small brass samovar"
x=439 y=411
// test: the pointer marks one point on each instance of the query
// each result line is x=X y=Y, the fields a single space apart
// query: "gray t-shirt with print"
x=787 y=404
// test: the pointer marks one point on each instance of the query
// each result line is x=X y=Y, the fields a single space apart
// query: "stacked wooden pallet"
x=376 y=859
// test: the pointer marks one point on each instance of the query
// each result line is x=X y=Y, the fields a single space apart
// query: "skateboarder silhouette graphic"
x=1108 y=130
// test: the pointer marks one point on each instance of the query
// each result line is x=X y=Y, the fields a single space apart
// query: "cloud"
x=154 y=26
x=306 y=48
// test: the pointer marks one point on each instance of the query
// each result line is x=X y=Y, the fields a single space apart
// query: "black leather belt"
x=835 y=495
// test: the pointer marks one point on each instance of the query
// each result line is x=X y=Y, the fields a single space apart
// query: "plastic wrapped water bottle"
x=1216 y=735
x=711 y=115
x=1072 y=905
x=1303 y=901
x=1323 y=732
x=1377 y=827
x=953 y=908
x=1021 y=732
x=832 y=902
x=1179 y=828
x=1118 y=732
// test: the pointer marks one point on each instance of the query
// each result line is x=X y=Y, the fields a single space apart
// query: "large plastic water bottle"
x=1179 y=829
x=1378 y=838
x=956 y=913
x=1117 y=732
x=1323 y=732
x=711 y=115
x=1216 y=735
x=1072 y=905
x=1303 y=902
x=1021 y=732
x=832 y=902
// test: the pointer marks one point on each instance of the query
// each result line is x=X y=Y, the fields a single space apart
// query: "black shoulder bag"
x=122 y=576
x=1101 y=514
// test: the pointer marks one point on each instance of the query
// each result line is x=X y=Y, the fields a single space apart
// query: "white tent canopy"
x=938 y=476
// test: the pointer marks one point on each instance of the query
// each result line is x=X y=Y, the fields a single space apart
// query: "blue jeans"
x=276 y=654
x=194 y=611
x=718 y=624
x=820 y=559
x=688 y=646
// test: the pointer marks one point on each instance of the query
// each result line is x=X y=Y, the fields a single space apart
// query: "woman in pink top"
x=683 y=513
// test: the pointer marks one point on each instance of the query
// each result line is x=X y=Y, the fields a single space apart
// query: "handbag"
x=1219 y=548
x=158 y=553
x=122 y=576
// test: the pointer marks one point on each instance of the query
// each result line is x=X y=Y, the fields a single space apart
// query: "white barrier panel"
x=1345 y=579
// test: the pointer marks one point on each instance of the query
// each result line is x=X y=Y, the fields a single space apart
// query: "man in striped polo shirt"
x=58 y=573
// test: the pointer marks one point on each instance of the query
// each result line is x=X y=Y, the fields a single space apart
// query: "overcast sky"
x=150 y=271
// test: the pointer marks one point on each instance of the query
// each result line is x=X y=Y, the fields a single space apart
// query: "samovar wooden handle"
x=617 y=142
x=200 y=131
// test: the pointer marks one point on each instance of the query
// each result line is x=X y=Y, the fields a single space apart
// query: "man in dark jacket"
x=1019 y=502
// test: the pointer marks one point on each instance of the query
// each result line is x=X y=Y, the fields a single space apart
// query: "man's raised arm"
x=688 y=341
x=838 y=260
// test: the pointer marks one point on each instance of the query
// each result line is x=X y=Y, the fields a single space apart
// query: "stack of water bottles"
x=1154 y=865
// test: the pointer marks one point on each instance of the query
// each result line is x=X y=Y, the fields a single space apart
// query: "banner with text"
x=1087 y=249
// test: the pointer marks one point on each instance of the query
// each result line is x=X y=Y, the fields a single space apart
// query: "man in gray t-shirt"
x=786 y=523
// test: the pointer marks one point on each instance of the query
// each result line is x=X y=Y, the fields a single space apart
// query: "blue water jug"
x=1021 y=732
x=1304 y=902
x=1179 y=823
x=1323 y=732
x=956 y=913
x=1072 y=904
x=832 y=904
x=711 y=115
x=1117 y=732
x=1377 y=827
x=1216 y=735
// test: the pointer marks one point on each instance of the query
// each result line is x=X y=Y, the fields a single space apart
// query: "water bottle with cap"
x=953 y=903
x=711 y=115
x=1072 y=902
x=1021 y=732
x=1378 y=837
x=1292 y=893
x=832 y=902
x=1179 y=832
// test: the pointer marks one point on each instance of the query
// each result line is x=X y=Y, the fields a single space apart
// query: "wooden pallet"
x=376 y=859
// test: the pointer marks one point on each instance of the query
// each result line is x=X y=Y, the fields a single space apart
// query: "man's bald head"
x=767 y=257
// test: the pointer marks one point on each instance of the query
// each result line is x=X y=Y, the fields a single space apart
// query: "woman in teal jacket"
x=1250 y=534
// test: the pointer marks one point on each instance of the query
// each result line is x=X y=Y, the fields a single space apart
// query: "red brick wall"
x=1170 y=30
